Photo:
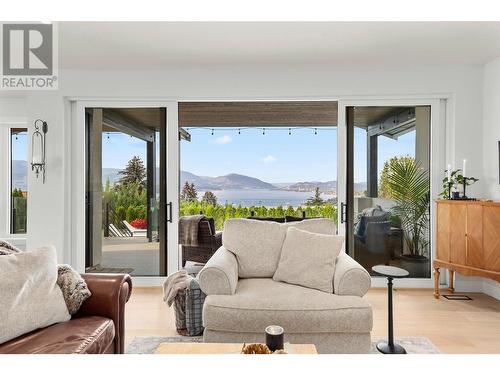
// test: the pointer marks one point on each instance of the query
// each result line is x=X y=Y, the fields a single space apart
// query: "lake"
x=268 y=198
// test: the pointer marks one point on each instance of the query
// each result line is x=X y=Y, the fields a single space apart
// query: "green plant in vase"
x=454 y=181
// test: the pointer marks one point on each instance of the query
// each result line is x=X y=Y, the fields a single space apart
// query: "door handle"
x=169 y=212
x=343 y=212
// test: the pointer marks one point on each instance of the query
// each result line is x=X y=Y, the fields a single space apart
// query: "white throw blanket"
x=176 y=281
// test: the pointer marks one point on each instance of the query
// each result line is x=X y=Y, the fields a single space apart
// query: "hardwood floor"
x=453 y=326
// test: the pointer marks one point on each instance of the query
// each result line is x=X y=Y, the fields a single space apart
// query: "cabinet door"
x=474 y=251
x=443 y=232
x=458 y=219
x=491 y=238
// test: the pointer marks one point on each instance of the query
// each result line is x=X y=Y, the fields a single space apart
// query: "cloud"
x=224 y=140
x=269 y=159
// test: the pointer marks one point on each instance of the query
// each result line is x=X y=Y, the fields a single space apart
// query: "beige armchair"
x=238 y=309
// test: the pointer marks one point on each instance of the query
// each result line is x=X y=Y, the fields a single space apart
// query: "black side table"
x=389 y=347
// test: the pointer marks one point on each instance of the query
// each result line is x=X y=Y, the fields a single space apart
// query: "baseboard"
x=491 y=288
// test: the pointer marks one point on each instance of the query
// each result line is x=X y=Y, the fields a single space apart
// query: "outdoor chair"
x=208 y=242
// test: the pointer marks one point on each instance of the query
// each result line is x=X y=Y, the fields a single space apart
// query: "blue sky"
x=19 y=147
x=273 y=157
x=279 y=157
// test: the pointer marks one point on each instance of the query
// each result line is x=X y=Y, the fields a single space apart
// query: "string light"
x=316 y=130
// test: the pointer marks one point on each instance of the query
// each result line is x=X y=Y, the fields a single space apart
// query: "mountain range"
x=232 y=181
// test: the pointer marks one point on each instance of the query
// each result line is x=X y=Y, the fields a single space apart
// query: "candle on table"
x=463 y=168
x=449 y=172
x=274 y=337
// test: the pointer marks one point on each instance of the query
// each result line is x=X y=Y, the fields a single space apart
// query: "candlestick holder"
x=464 y=182
x=450 y=184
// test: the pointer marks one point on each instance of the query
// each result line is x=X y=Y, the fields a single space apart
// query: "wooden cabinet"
x=467 y=239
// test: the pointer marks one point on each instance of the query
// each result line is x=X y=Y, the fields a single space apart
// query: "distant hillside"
x=20 y=174
x=323 y=186
x=310 y=186
x=227 y=182
x=231 y=181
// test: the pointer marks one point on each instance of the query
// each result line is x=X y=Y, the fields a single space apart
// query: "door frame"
x=75 y=179
x=441 y=134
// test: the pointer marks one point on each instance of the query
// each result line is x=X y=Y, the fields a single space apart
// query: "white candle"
x=449 y=172
x=463 y=168
x=37 y=159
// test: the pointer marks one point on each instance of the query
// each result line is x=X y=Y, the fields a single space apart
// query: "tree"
x=134 y=172
x=209 y=198
x=188 y=193
x=316 y=200
x=384 y=189
x=409 y=188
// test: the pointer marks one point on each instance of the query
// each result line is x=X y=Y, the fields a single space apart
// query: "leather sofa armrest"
x=350 y=278
x=220 y=274
x=110 y=292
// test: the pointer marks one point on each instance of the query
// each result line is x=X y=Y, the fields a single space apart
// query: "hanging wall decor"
x=38 y=148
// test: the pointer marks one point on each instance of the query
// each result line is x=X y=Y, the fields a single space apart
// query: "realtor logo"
x=28 y=57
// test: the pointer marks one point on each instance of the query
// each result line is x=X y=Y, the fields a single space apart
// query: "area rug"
x=148 y=344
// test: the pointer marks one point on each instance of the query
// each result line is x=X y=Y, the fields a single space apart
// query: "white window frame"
x=76 y=179
x=441 y=148
x=6 y=126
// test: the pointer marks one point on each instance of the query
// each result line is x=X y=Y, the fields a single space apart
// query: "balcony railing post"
x=106 y=221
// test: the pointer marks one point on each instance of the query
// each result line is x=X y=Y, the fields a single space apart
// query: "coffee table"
x=222 y=348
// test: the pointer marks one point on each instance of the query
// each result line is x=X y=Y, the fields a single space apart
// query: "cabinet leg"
x=436 y=282
x=452 y=281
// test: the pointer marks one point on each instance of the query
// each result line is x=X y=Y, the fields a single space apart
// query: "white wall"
x=491 y=137
x=48 y=218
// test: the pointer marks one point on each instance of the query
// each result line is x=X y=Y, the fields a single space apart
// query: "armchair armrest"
x=220 y=274
x=350 y=278
x=110 y=292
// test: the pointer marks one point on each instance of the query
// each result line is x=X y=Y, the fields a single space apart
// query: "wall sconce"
x=38 y=149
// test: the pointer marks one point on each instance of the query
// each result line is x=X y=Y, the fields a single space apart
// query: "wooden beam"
x=124 y=125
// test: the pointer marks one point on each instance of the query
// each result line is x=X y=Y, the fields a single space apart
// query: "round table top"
x=390 y=271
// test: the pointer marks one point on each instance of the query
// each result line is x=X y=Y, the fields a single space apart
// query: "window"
x=18 y=180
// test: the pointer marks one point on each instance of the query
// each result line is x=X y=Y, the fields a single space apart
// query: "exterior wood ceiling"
x=247 y=114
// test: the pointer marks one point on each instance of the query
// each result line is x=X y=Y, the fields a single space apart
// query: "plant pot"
x=455 y=195
x=416 y=265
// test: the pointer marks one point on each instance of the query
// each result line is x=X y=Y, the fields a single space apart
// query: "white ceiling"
x=156 y=45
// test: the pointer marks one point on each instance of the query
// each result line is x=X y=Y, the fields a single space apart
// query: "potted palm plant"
x=408 y=183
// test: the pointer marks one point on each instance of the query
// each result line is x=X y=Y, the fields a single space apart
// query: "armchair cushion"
x=220 y=274
x=350 y=278
x=308 y=259
x=256 y=245
x=263 y=301
x=319 y=225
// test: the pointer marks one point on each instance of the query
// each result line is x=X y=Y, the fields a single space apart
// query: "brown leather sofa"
x=97 y=328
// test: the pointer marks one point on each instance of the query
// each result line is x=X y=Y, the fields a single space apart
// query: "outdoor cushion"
x=258 y=303
x=256 y=244
x=308 y=259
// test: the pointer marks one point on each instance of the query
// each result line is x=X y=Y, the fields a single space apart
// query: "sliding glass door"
x=387 y=207
x=126 y=191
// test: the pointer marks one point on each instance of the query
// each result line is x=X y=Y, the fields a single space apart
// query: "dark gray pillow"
x=73 y=287
x=7 y=248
